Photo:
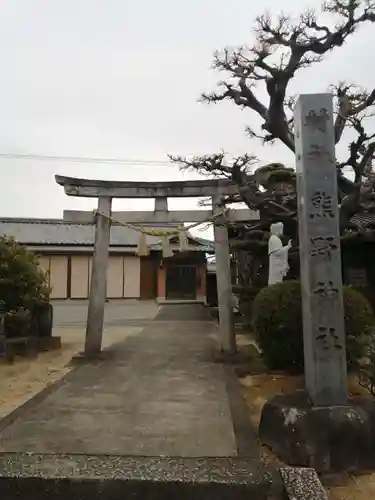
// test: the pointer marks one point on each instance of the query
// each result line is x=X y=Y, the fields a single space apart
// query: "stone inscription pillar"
x=320 y=256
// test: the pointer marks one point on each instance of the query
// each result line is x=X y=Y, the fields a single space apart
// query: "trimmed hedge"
x=277 y=322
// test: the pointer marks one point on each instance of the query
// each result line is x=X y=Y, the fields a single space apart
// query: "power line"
x=86 y=159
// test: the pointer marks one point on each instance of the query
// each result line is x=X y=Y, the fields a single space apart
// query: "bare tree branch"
x=217 y=165
x=282 y=48
x=294 y=45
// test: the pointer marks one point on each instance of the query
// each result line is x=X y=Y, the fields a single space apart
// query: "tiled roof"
x=58 y=232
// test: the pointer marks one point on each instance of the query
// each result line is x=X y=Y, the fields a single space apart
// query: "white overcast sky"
x=121 y=78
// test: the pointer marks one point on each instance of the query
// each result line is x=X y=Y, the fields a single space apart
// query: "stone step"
x=81 y=477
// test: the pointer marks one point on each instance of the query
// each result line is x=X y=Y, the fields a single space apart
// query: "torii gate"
x=105 y=191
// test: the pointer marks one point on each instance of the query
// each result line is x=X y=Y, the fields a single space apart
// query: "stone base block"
x=328 y=439
x=48 y=343
x=165 y=301
x=20 y=346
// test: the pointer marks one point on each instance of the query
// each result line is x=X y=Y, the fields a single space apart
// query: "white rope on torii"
x=166 y=234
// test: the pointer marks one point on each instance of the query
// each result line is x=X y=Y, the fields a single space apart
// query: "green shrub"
x=23 y=284
x=277 y=322
x=246 y=295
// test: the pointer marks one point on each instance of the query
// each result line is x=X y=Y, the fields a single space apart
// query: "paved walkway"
x=117 y=312
x=157 y=393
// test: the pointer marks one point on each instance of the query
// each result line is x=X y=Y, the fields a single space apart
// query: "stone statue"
x=277 y=255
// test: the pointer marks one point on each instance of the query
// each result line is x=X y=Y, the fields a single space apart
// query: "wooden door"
x=59 y=276
x=148 y=279
x=79 y=276
x=115 y=277
x=181 y=282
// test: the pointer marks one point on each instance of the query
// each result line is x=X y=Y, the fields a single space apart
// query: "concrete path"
x=157 y=393
x=117 y=312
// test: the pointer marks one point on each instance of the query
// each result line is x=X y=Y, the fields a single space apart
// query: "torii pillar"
x=98 y=285
x=224 y=282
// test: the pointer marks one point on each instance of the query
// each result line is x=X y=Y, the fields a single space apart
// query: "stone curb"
x=25 y=476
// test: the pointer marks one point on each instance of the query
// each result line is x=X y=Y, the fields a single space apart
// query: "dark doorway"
x=211 y=292
x=181 y=282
